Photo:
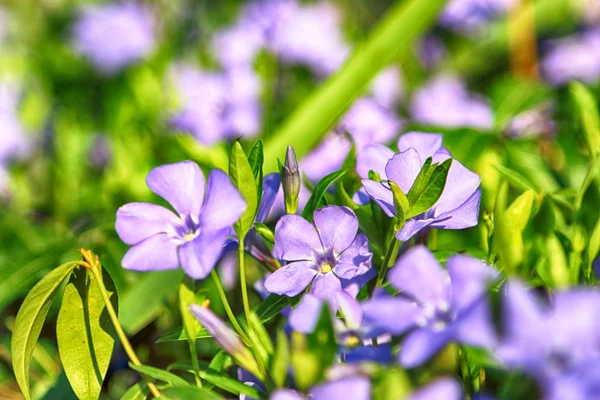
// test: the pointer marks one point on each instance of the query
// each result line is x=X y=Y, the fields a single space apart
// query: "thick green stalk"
x=396 y=33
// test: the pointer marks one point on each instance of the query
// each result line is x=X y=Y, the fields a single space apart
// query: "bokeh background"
x=94 y=94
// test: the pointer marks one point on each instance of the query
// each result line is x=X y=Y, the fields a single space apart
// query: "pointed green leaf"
x=514 y=178
x=272 y=306
x=188 y=393
x=231 y=385
x=84 y=332
x=30 y=320
x=316 y=199
x=256 y=158
x=432 y=189
x=280 y=360
x=177 y=334
x=588 y=112
x=242 y=177
x=187 y=297
x=400 y=201
x=159 y=374
x=421 y=181
x=139 y=391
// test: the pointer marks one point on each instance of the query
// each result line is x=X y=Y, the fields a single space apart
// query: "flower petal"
x=355 y=260
x=412 y=227
x=373 y=157
x=156 y=253
x=337 y=227
x=426 y=144
x=352 y=286
x=422 y=344
x=305 y=316
x=199 y=256
x=138 y=221
x=470 y=278
x=465 y=216
x=420 y=275
x=381 y=194
x=350 y=308
x=291 y=279
x=296 y=239
x=224 y=204
x=442 y=388
x=474 y=327
x=460 y=186
x=271 y=184
x=181 y=184
x=403 y=168
x=392 y=314
x=325 y=286
x=352 y=387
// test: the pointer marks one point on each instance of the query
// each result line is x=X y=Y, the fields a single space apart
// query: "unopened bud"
x=290 y=176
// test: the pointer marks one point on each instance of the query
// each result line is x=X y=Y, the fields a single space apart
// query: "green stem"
x=241 y=254
x=195 y=365
x=95 y=267
x=386 y=261
x=227 y=307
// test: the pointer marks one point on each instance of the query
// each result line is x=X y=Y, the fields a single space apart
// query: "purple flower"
x=552 y=342
x=195 y=236
x=326 y=256
x=440 y=389
x=431 y=51
x=238 y=45
x=472 y=16
x=573 y=58
x=533 y=122
x=457 y=207
x=445 y=102
x=435 y=306
x=387 y=88
x=350 y=387
x=114 y=36
x=217 y=106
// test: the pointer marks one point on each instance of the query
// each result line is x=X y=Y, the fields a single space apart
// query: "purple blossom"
x=114 y=36
x=388 y=88
x=436 y=306
x=223 y=334
x=440 y=389
x=195 y=236
x=473 y=16
x=573 y=58
x=14 y=143
x=431 y=51
x=217 y=106
x=557 y=360
x=446 y=102
x=327 y=256
x=533 y=122
x=457 y=207
x=350 y=387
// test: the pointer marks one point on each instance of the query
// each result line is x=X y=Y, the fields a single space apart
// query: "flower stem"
x=227 y=307
x=93 y=264
x=241 y=254
x=386 y=261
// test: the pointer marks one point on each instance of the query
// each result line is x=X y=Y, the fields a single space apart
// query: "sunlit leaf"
x=242 y=176
x=316 y=199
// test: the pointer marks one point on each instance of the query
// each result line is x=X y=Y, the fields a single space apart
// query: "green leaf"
x=242 y=177
x=187 y=297
x=265 y=232
x=256 y=158
x=280 y=360
x=159 y=374
x=188 y=393
x=139 y=391
x=589 y=177
x=84 y=332
x=177 y=334
x=514 y=178
x=30 y=320
x=557 y=262
x=588 y=112
x=272 y=306
x=400 y=202
x=316 y=199
x=391 y=384
x=428 y=193
x=231 y=385
x=593 y=249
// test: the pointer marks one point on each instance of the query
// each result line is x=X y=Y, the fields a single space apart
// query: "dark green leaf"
x=231 y=385
x=159 y=374
x=432 y=190
x=316 y=199
x=30 y=320
x=189 y=393
x=271 y=307
x=242 y=177
x=421 y=181
x=178 y=333
x=84 y=332
x=256 y=158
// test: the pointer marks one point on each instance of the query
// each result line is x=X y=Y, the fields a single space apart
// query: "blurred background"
x=94 y=94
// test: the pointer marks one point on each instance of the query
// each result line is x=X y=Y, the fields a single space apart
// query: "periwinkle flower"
x=446 y=102
x=327 y=256
x=472 y=16
x=440 y=389
x=350 y=387
x=537 y=121
x=573 y=58
x=114 y=36
x=458 y=205
x=387 y=88
x=553 y=342
x=435 y=306
x=195 y=236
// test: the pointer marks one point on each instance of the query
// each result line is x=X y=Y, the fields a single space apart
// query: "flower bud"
x=290 y=176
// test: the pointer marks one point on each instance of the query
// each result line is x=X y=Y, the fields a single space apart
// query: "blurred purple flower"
x=472 y=16
x=440 y=389
x=13 y=140
x=322 y=256
x=533 y=122
x=555 y=342
x=457 y=207
x=573 y=58
x=437 y=306
x=445 y=102
x=431 y=51
x=217 y=106
x=114 y=36
x=195 y=237
x=388 y=88
x=350 y=388
x=238 y=46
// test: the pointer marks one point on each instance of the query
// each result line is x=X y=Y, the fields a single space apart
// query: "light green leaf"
x=424 y=199
x=588 y=112
x=242 y=177
x=316 y=199
x=400 y=201
x=84 y=332
x=514 y=178
x=280 y=360
x=159 y=374
x=256 y=158
x=231 y=385
x=593 y=249
x=265 y=232
x=139 y=391
x=177 y=334
x=590 y=176
x=30 y=320
x=557 y=262
x=187 y=297
x=189 y=393
x=391 y=384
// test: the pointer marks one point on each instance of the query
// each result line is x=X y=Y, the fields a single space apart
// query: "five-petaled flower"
x=195 y=237
x=328 y=258
x=457 y=207
x=436 y=306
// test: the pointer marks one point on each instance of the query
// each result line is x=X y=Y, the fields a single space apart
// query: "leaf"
x=588 y=112
x=315 y=200
x=139 y=391
x=187 y=297
x=262 y=346
x=231 y=385
x=84 y=332
x=514 y=178
x=589 y=177
x=558 y=266
x=400 y=201
x=271 y=307
x=593 y=249
x=424 y=200
x=256 y=158
x=30 y=320
x=391 y=384
x=421 y=180
x=178 y=333
x=518 y=213
x=159 y=374
x=280 y=360
x=242 y=177
x=188 y=393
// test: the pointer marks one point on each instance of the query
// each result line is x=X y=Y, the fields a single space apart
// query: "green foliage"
x=243 y=178
x=30 y=320
x=139 y=391
x=84 y=332
x=428 y=187
x=256 y=158
x=231 y=385
x=588 y=112
x=189 y=393
x=280 y=360
x=316 y=200
x=401 y=205
x=161 y=375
